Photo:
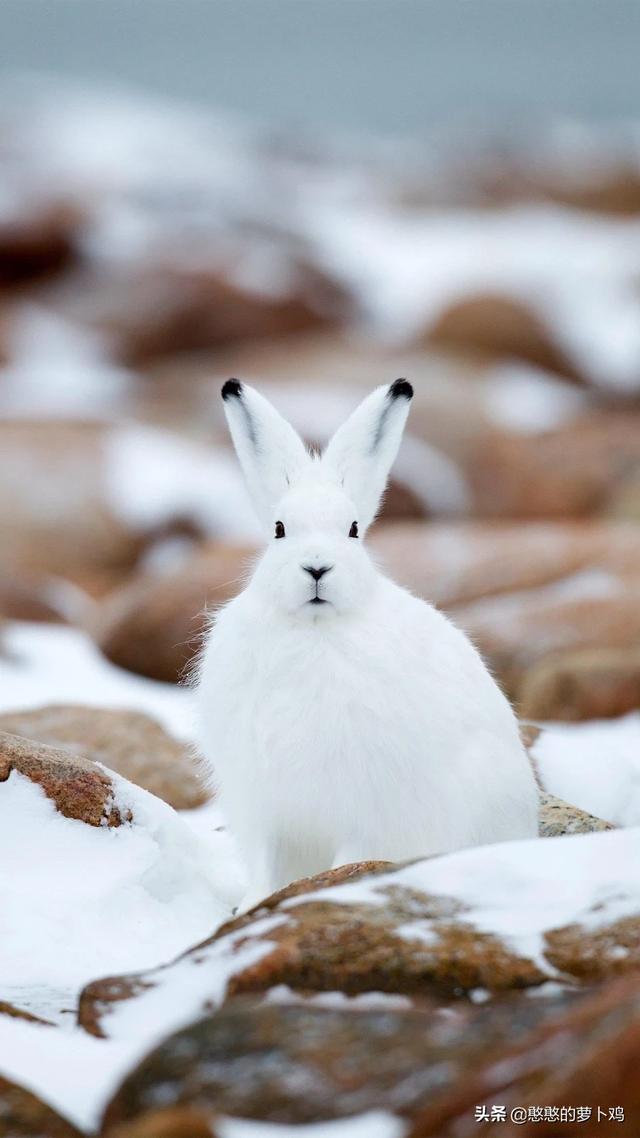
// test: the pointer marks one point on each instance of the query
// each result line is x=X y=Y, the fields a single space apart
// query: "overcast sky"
x=389 y=65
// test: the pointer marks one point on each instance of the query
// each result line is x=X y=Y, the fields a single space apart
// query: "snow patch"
x=101 y=900
x=153 y=477
x=595 y=765
x=374 y=1124
x=44 y=663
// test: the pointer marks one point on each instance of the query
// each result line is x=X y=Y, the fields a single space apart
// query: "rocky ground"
x=485 y=991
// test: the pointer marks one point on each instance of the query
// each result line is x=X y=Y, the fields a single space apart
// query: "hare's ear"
x=361 y=453
x=271 y=454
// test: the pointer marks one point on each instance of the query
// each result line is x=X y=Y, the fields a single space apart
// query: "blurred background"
x=319 y=196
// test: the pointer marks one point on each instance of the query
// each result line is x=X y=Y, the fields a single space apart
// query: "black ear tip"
x=232 y=388
x=401 y=388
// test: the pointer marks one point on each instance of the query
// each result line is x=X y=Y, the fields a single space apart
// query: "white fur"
x=364 y=727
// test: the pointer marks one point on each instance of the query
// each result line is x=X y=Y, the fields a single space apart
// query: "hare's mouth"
x=318 y=601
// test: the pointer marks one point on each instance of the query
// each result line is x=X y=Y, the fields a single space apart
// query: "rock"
x=128 y=742
x=36 y=238
x=558 y=818
x=168 y=1122
x=532 y=596
x=302 y=1064
x=54 y=513
x=595 y=683
x=427 y=929
x=582 y=1058
x=25 y=600
x=23 y=1115
x=454 y=563
x=154 y=625
x=579 y=468
x=514 y=632
x=160 y=309
x=498 y=326
x=13 y=1012
x=79 y=788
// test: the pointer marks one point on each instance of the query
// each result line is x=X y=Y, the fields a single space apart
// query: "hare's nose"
x=317 y=573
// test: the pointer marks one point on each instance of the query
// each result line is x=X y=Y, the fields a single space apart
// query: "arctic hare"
x=343 y=718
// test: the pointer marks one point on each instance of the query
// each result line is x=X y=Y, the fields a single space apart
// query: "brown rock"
x=77 y=786
x=13 y=1012
x=514 y=632
x=498 y=326
x=578 y=469
x=615 y=190
x=54 y=517
x=154 y=625
x=23 y=600
x=585 y=1056
x=362 y=943
x=128 y=742
x=558 y=817
x=23 y=1115
x=455 y=563
x=596 y=683
x=37 y=240
x=301 y=1064
x=167 y=1122
x=164 y=309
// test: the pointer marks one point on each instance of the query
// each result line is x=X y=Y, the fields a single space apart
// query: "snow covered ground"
x=107 y=901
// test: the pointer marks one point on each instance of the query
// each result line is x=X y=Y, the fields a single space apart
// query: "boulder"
x=591 y=683
x=28 y=600
x=150 y=311
x=556 y=1077
x=579 y=468
x=78 y=787
x=167 y=1122
x=558 y=817
x=298 y=1064
x=455 y=563
x=499 y=326
x=154 y=624
x=514 y=632
x=496 y=917
x=54 y=513
x=37 y=238
x=128 y=742
x=434 y=1067
x=23 y=1115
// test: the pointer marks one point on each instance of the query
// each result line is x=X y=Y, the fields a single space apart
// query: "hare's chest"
x=317 y=710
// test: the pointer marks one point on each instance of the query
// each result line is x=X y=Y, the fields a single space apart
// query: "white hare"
x=343 y=718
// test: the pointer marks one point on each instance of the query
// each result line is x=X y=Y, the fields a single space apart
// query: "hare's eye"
x=279 y=529
x=353 y=532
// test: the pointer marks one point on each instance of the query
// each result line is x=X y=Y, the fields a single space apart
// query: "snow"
x=72 y=1071
x=527 y=400
x=58 y=369
x=574 y=271
x=364 y=1001
x=43 y=663
x=595 y=765
x=102 y=900
x=375 y=1124
x=153 y=476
